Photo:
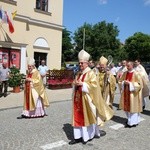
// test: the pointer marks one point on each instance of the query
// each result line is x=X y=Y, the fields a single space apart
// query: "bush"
x=16 y=78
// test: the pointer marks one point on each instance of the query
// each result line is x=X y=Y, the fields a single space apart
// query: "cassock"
x=35 y=99
x=89 y=108
x=131 y=96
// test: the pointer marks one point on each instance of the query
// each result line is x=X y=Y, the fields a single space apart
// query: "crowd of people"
x=93 y=94
x=94 y=88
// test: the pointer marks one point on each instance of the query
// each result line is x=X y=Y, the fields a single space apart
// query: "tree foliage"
x=138 y=47
x=100 y=39
x=66 y=45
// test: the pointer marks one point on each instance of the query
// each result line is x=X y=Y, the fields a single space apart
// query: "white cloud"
x=146 y=2
x=102 y=2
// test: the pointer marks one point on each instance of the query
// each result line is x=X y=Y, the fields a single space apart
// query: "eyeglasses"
x=81 y=63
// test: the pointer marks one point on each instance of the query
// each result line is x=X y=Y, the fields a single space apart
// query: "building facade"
x=37 y=32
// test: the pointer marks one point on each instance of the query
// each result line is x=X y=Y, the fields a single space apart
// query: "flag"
x=7 y=17
x=0 y=14
x=9 y=21
x=14 y=14
x=3 y=16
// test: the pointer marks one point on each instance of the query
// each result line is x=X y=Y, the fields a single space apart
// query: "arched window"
x=41 y=43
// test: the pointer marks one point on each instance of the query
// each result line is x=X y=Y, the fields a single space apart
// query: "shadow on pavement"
x=10 y=108
x=146 y=112
x=116 y=105
x=68 y=129
x=119 y=119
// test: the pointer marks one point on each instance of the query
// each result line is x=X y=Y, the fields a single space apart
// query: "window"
x=42 y=5
x=10 y=56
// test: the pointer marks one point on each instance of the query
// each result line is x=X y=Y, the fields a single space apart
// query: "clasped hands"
x=126 y=82
x=28 y=79
x=78 y=82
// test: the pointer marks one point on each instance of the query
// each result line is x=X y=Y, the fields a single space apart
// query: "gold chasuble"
x=131 y=101
x=141 y=70
x=89 y=107
x=108 y=86
x=33 y=90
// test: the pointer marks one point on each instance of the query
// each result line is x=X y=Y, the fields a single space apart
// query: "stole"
x=127 y=92
x=27 y=94
x=78 y=106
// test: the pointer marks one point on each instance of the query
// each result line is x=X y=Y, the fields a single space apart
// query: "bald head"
x=42 y=62
x=130 y=65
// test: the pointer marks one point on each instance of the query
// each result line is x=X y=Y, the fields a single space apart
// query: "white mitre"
x=31 y=61
x=83 y=56
x=103 y=60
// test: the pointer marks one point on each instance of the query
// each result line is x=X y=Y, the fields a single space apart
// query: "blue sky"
x=129 y=15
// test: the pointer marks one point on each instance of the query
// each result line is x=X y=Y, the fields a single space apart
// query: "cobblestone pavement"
x=14 y=100
x=54 y=131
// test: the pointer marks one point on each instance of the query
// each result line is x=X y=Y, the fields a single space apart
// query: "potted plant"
x=16 y=79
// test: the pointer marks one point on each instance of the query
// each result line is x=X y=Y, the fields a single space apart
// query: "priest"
x=35 y=98
x=141 y=70
x=107 y=82
x=131 y=95
x=89 y=109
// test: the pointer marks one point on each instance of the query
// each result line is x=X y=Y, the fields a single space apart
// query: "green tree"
x=67 y=46
x=121 y=54
x=138 y=47
x=100 y=39
x=106 y=42
x=79 y=38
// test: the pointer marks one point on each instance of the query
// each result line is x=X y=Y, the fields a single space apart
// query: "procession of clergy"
x=93 y=95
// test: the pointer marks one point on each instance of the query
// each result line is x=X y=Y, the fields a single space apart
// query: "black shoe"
x=84 y=142
x=128 y=126
x=22 y=117
x=72 y=142
x=5 y=95
x=75 y=141
x=96 y=137
x=102 y=133
x=144 y=107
